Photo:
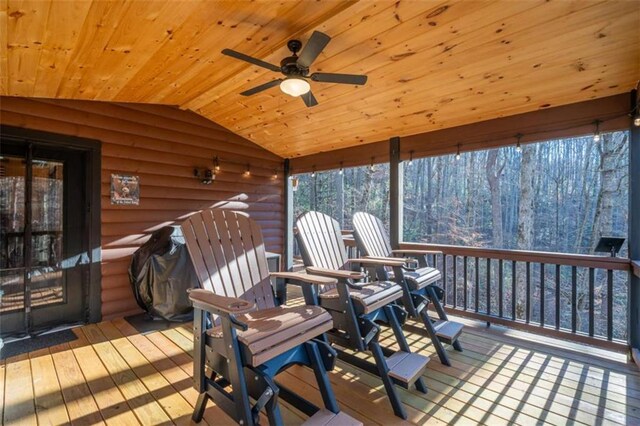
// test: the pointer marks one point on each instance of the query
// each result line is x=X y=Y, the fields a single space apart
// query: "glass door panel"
x=47 y=195
x=12 y=220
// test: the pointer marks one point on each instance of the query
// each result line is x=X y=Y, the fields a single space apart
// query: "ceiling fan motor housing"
x=289 y=65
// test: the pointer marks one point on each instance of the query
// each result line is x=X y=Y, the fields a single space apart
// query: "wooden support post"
x=287 y=258
x=634 y=230
x=396 y=193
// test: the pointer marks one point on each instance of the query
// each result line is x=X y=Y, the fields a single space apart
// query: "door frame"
x=93 y=151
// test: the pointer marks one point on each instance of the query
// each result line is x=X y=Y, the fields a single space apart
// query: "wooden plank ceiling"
x=431 y=64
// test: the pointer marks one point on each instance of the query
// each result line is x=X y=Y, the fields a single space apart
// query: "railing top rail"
x=584 y=260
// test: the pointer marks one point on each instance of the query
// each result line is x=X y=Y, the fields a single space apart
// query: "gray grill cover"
x=161 y=272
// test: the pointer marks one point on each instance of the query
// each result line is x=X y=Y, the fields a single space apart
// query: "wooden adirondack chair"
x=372 y=241
x=358 y=307
x=242 y=338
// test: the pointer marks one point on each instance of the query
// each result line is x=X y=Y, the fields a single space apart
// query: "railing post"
x=396 y=192
x=288 y=218
x=634 y=229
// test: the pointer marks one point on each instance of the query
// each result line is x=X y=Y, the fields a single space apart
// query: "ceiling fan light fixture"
x=295 y=86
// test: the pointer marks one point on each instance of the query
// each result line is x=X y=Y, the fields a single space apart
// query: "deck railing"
x=576 y=297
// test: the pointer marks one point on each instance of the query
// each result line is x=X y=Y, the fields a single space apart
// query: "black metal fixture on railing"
x=611 y=245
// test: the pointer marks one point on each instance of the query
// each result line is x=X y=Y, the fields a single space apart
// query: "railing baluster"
x=455 y=280
x=542 y=295
x=591 y=300
x=466 y=290
x=477 y=298
x=574 y=298
x=500 y=289
x=445 y=277
x=557 y=297
x=609 y=304
x=586 y=322
x=488 y=286
x=527 y=298
x=513 y=290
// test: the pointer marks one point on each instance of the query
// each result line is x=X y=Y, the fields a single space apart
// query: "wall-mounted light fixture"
x=341 y=171
x=371 y=166
x=216 y=164
x=410 y=157
x=247 y=171
x=294 y=183
x=275 y=174
x=206 y=176
x=458 y=153
x=313 y=172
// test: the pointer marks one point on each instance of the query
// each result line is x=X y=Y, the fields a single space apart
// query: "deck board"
x=50 y=408
x=115 y=375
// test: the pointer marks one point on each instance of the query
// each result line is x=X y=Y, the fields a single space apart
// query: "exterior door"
x=44 y=253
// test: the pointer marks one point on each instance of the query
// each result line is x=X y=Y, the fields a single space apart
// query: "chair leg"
x=457 y=346
x=397 y=328
x=201 y=404
x=322 y=377
x=273 y=412
x=442 y=354
x=441 y=313
x=392 y=392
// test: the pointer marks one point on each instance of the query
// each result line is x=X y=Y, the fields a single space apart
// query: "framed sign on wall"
x=125 y=189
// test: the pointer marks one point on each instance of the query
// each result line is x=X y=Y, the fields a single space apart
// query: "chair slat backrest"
x=227 y=251
x=320 y=240
x=371 y=236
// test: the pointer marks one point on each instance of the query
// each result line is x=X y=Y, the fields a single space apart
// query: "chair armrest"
x=335 y=273
x=379 y=261
x=305 y=278
x=415 y=252
x=220 y=305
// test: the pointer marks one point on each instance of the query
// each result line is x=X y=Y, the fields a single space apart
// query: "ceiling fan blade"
x=324 y=77
x=309 y=99
x=262 y=87
x=250 y=59
x=317 y=42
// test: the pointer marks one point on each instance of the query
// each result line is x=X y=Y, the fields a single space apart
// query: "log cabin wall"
x=162 y=145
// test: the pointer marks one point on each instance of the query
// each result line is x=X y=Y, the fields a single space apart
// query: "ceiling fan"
x=296 y=69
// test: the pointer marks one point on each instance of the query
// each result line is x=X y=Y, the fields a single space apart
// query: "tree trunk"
x=525 y=219
x=493 y=178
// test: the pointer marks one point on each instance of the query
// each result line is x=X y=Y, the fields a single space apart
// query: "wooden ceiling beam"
x=563 y=121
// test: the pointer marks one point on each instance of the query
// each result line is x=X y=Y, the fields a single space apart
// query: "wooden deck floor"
x=113 y=374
